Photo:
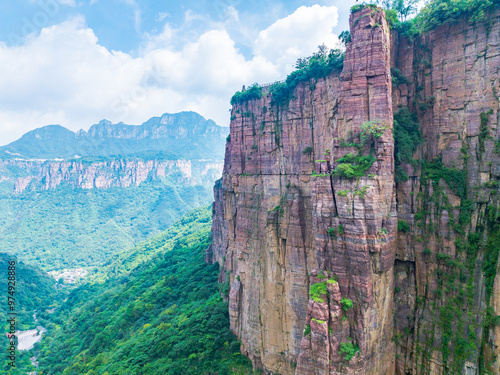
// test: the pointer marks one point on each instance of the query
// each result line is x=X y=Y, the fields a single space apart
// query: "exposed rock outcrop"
x=36 y=175
x=322 y=281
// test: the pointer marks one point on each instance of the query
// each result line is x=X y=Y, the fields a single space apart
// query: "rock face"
x=37 y=175
x=321 y=280
x=184 y=146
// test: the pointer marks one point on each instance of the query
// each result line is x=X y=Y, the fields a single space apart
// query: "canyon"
x=392 y=271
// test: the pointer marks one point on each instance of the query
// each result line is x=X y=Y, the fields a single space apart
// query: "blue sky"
x=75 y=62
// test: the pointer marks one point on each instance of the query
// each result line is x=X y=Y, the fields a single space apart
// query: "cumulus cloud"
x=298 y=35
x=64 y=76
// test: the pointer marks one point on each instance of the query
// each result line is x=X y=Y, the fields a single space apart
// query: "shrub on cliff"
x=349 y=349
x=352 y=166
x=253 y=92
x=317 y=290
x=438 y=12
x=403 y=226
x=319 y=65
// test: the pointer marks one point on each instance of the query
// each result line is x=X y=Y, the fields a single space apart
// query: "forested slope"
x=165 y=316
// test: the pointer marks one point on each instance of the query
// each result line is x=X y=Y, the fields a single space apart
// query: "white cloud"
x=64 y=76
x=160 y=16
x=71 y=3
x=298 y=35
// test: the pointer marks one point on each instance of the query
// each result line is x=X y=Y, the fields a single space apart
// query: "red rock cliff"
x=315 y=261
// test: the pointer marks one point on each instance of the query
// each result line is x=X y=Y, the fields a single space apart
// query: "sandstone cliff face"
x=297 y=244
x=31 y=175
x=447 y=262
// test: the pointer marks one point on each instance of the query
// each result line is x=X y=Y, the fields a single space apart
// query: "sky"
x=76 y=62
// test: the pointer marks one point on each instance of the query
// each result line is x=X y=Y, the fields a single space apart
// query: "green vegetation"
x=349 y=349
x=456 y=179
x=340 y=229
x=316 y=291
x=165 y=316
x=371 y=131
x=438 y=12
x=252 y=93
x=361 y=192
x=483 y=128
x=69 y=227
x=307 y=150
x=307 y=330
x=358 y=7
x=407 y=137
x=345 y=37
x=319 y=321
x=398 y=78
x=403 y=226
x=332 y=232
x=353 y=166
x=401 y=8
x=435 y=13
x=492 y=250
x=319 y=65
x=346 y=303
x=34 y=290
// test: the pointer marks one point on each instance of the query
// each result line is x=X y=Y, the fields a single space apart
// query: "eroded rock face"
x=31 y=175
x=298 y=245
x=441 y=277
x=272 y=218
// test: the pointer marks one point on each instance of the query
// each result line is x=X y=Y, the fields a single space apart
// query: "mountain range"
x=184 y=135
x=73 y=199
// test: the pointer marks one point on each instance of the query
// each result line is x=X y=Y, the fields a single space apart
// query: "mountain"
x=160 y=313
x=185 y=135
x=359 y=226
x=73 y=199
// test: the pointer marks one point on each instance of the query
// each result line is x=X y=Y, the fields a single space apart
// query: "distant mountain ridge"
x=73 y=199
x=184 y=135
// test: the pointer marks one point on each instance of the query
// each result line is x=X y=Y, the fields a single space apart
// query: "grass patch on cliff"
x=456 y=179
x=316 y=291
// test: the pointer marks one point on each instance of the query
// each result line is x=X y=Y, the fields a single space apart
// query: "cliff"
x=19 y=176
x=346 y=255
x=184 y=146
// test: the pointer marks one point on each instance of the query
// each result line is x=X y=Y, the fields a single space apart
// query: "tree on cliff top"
x=404 y=8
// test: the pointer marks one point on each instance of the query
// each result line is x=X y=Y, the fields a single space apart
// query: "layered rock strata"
x=321 y=279
x=37 y=175
x=272 y=221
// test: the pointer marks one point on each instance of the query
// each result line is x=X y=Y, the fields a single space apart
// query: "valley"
x=348 y=221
